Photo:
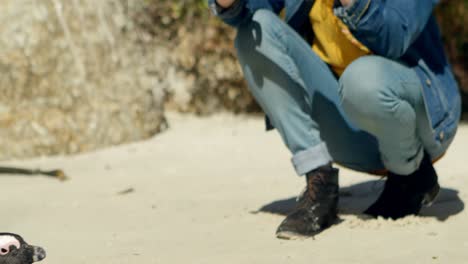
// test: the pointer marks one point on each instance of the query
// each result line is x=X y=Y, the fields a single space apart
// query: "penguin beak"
x=38 y=254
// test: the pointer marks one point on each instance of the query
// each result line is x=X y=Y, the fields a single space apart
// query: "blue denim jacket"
x=403 y=30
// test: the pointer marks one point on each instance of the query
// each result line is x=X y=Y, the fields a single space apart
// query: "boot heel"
x=431 y=195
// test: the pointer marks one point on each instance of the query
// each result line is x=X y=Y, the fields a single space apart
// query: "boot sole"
x=288 y=235
x=431 y=196
x=291 y=235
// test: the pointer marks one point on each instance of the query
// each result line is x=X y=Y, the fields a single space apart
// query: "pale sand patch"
x=192 y=195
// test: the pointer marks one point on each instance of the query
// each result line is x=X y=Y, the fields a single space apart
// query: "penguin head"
x=14 y=250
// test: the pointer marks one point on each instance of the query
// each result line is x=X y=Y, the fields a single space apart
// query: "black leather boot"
x=316 y=208
x=405 y=195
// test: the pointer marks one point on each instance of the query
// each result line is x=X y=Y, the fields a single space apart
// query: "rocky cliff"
x=75 y=76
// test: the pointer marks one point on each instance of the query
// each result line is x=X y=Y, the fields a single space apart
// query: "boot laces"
x=312 y=188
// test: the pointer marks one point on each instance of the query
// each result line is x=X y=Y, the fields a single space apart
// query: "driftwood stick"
x=59 y=174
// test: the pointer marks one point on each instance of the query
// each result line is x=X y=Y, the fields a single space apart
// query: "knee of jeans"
x=362 y=88
x=262 y=27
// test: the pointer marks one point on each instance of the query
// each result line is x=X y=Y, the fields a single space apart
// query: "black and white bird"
x=14 y=250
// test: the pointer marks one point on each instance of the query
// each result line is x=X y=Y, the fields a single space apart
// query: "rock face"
x=204 y=76
x=453 y=18
x=75 y=76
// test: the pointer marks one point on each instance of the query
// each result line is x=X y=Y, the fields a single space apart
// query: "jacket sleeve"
x=388 y=28
x=233 y=15
x=242 y=10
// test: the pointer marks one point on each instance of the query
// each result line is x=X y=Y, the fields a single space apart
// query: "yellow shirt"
x=333 y=42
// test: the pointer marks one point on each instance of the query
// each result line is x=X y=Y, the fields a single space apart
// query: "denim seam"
x=352 y=15
x=363 y=11
x=289 y=65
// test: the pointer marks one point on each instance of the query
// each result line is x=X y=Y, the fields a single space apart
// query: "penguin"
x=14 y=250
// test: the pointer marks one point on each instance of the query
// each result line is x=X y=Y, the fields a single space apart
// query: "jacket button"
x=428 y=82
x=441 y=135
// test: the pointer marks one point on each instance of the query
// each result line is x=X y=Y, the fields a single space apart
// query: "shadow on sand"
x=356 y=198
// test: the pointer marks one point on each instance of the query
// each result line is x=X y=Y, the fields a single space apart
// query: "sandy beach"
x=213 y=190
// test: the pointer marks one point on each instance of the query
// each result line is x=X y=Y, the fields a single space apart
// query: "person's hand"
x=225 y=3
x=346 y=3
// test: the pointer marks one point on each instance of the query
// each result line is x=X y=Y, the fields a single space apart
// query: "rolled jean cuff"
x=311 y=158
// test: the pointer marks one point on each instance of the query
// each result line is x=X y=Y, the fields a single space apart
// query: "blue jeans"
x=371 y=118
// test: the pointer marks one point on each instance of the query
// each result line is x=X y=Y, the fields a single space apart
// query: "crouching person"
x=361 y=83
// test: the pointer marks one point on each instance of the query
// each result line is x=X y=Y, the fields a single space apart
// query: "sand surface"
x=213 y=190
